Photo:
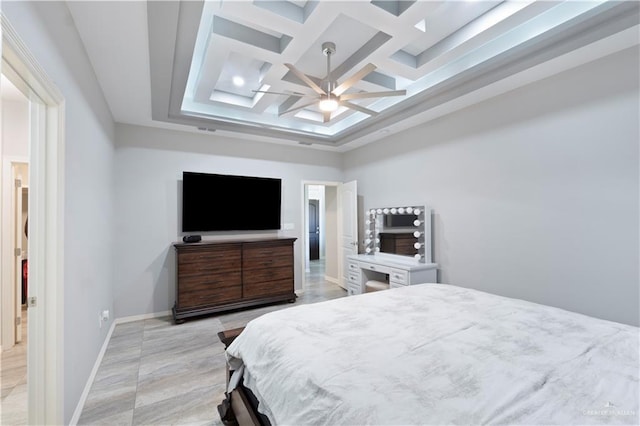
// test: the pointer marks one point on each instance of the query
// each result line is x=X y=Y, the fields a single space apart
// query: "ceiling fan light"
x=328 y=105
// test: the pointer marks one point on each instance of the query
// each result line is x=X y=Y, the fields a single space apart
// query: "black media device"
x=213 y=202
x=191 y=238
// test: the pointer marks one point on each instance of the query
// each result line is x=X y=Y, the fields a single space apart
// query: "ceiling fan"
x=330 y=94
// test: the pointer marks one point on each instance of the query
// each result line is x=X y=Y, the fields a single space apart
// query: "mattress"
x=438 y=354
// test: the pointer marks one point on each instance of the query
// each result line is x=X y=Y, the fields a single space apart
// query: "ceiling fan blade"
x=358 y=108
x=302 y=76
x=280 y=114
x=283 y=93
x=326 y=116
x=364 y=95
x=367 y=69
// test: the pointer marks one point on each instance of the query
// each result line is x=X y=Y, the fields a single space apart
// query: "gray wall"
x=149 y=166
x=535 y=193
x=47 y=30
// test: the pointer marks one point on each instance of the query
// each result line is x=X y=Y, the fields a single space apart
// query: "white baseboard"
x=92 y=376
x=331 y=279
x=143 y=317
x=96 y=365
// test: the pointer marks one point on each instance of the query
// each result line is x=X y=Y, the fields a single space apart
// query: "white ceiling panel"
x=200 y=63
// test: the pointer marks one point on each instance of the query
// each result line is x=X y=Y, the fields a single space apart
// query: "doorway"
x=45 y=302
x=14 y=180
x=321 y=239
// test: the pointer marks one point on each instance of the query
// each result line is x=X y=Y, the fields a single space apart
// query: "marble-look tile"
x=181 y=369
x=13 y=409
x=124 y=418
x=124 y=373
x=180 y=377
x=196 y=407
x=105 y=402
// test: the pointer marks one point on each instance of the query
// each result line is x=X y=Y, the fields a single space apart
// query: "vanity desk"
x=397 y=272
x=397 y=250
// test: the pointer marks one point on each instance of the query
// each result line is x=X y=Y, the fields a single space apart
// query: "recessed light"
x=238 y=81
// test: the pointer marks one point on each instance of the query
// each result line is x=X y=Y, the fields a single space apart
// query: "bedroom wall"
x=47 y=29
x=149 y=166
x=535 y=193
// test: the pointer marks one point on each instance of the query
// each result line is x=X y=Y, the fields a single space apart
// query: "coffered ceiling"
x=206 y=64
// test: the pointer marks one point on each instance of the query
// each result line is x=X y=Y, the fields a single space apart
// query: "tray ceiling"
x=207 y=59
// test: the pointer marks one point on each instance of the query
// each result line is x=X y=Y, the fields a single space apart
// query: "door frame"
x=10 y=290
x=305 y=222
x=45 y=357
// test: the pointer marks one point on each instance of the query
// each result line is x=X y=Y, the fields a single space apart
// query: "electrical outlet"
x=105 y=315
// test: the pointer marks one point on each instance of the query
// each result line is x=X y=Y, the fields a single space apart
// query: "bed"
x=436 y=354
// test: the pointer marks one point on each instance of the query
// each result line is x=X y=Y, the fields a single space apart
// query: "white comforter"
x=438 y=354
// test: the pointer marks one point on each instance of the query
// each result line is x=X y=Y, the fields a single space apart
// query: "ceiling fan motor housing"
x=328 y=48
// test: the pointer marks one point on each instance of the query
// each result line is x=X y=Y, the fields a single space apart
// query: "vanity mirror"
x=399 y=231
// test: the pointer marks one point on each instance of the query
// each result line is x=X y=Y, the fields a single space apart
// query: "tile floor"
x=155 y=372
x=13 y=381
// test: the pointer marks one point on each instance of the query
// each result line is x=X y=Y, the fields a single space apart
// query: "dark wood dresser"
x=217 y=276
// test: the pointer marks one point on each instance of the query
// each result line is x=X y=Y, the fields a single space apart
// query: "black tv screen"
x=212 y=202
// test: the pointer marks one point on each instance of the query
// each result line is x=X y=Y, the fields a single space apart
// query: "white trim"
x=45 y=363
x=133 y=318
x=92 y=376
x=331 y=280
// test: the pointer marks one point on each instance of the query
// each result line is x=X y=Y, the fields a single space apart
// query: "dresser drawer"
x=399 y=277
x=353 y=267
x=193 y=296
x=211 y=260
x=354 y=280
x=267 y=256
x=268 y=288
x=267 y=274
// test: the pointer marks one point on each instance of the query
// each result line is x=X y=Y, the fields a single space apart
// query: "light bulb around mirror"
x=378 y=249
x=379 y=211
x=417 y=234
x=417 y=245
x=372 y=212
x=367 y=222
x=416 y=211
x=368 y=231
x=385 y=211
x=401 y=210
x=368 y=250
x=417 y=222
x=394 y=210
x=377 y=240
x=418 y=256
x=409 y=210
x=367 y=241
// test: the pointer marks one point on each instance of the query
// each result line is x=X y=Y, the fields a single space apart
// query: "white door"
x=348 y=227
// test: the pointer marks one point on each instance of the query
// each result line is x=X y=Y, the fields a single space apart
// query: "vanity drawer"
x=354 y=279
x=377 y=268
x=353 y=267
x=398 y=277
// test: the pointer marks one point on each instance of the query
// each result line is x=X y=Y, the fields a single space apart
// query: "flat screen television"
x=213 y=202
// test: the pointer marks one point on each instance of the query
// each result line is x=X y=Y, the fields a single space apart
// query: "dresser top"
x=235 y=241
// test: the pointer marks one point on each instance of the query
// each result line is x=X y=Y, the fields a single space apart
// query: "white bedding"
x=438 y=354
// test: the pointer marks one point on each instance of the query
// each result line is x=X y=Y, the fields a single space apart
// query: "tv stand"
x=218 y=276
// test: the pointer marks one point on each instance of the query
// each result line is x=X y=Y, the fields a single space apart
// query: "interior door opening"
x=320 y=240
x=14 y=146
